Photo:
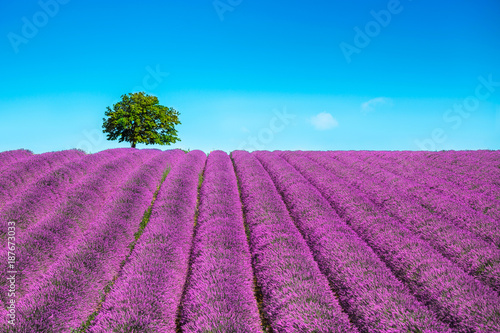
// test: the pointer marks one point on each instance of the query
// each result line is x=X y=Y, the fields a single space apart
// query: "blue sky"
x=288 y=75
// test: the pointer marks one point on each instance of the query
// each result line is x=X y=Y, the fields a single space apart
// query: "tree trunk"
x=133 y=145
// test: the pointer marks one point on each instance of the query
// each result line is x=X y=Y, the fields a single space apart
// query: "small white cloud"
x=373 y=103
x=324 y=121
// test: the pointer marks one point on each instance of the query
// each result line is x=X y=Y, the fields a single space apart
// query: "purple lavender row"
x=444 y=207
x=472 y=161
x=70 y=289
x=470 y=173
x=474 y=204
x=468 y=251
x=39 y=200
x=13 y=156
x=483 y=156
x=39 y=246
x=147 y=295
x=17 y=176
x=489 y=158
x=81 y=205
x=481 y=188
x=43 y=197
x=465 y=170
x=296 y=295
x=368 y=291
x=54 y=190
x=478 y=179
x=456 y=297
x=455 y=183
x=473 y=172
x=219 y=290
x=441 y=160
x=477 y=204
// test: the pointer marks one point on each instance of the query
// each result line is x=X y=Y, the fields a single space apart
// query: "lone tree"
x=139 y=118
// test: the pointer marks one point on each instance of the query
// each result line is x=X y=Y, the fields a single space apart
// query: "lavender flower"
x=474 y=255
x=45 y=195
x=152 y=280
x=469 y=187
x=54 y=233
x=69 y=291
x=368 y=291
x=13 y=156
x=296 y=295
x=219 y=293
x=17 y=176
x=456 y=297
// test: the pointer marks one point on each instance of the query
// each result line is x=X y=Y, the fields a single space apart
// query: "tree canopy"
x=139 y=118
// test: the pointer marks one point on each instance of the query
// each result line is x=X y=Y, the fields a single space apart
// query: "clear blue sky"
x=288 y=75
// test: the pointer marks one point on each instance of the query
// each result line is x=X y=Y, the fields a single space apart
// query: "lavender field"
x=129 y=240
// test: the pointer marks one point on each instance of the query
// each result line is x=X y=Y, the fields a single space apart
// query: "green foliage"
x=200 y=180
x=147 y=213
x=139 y=118
x=83 y=151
